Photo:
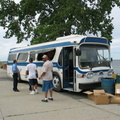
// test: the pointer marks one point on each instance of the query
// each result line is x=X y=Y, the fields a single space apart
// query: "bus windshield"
x=93 y=56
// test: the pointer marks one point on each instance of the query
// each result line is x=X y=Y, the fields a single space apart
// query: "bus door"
x=68 y=68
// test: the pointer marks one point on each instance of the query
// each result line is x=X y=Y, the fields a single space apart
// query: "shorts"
x=33 y=82
x=47 y=85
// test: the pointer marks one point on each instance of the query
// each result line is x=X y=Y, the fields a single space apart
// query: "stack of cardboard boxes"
x=100 y=97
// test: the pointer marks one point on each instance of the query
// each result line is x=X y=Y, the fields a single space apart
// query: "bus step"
x=69 y=89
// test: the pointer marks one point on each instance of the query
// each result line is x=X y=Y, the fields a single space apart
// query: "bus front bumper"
x=84 y=86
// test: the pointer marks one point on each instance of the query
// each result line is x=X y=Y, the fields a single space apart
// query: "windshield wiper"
x=104 y=59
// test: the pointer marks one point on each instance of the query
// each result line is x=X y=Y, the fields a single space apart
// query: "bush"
x=0 y=65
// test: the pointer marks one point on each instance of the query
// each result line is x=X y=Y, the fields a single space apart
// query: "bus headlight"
x=110 y=72
x=89 y=75
x=101 y=73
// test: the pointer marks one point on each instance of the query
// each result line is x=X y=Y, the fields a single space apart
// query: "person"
x=47 y=77
x=15 y=72
x=31 y=71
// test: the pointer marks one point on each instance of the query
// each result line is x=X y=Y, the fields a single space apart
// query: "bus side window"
x=50 y=54
x=39 y=57
x=22 y=57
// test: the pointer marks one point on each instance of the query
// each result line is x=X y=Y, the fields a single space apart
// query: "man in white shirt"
x=31 y=71
x=47 y=77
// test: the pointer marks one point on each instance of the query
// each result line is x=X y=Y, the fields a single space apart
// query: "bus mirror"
x=78 y=52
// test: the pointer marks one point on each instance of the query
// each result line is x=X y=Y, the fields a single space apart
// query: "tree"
x=44 y=20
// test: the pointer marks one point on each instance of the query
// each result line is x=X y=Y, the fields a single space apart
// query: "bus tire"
x=56 y=82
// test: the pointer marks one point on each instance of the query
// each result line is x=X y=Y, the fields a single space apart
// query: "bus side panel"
x=22 y=70
x=9 y=70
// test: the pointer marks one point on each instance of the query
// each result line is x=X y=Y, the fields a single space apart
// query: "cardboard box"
x=117 y=95
x=98 y=92
x=117 y=89
x=101 y=99
x=115 y=100
x=98 y=96
x=90 y=95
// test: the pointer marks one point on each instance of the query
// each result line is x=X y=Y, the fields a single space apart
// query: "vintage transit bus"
x=79 y=62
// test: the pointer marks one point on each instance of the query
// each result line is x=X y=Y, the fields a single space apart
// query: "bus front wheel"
x=56 y=82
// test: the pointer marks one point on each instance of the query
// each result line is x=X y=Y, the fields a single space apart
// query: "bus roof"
x=70 y=40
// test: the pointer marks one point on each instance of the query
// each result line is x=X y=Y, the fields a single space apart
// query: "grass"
x=0 y=64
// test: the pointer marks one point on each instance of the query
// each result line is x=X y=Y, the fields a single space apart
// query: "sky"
x=7 y=44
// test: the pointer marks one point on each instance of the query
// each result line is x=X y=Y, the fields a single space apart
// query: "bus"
x=79 y=62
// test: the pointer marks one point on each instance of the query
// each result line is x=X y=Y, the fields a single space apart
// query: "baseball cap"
x=44 y=56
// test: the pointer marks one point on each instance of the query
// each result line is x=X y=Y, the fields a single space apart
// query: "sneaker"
x=44 y=100
x=50 y=99
x=32 y=93
x=36 y=91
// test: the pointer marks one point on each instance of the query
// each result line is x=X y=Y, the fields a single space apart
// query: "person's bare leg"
x=46 y=99
x=35 y=87
x=46 y=94
x=51 y=93
x=32 y=87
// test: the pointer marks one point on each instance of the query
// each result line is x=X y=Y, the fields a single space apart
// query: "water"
x=116 y=66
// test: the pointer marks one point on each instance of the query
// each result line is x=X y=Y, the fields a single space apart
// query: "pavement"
x=66 y=105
